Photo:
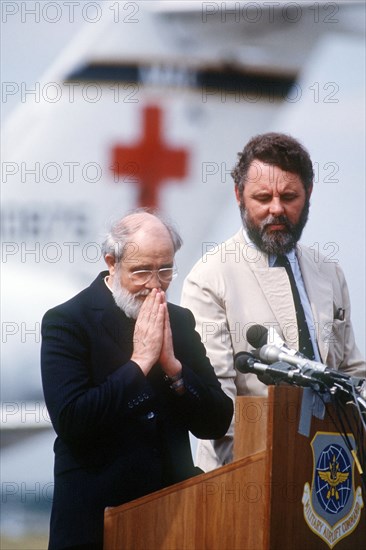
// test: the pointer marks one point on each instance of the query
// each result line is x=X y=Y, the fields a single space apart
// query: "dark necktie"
x=305 y=344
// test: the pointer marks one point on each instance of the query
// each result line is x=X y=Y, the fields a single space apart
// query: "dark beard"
x=275 y=242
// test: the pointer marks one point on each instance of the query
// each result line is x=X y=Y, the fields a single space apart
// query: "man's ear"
x=237 y=194
x=309 y=191
x=111 y=263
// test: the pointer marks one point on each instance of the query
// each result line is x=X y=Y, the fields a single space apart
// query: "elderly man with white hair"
x=125 y=379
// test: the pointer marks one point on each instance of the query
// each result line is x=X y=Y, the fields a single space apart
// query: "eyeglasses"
x=143 y=276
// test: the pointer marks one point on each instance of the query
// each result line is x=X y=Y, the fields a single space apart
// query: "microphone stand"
x=346 y=393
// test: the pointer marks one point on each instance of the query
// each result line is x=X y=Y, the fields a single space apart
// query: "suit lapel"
x=276 y=288
x=119 y=327
x=277 y=292
x=112 y=319
x=320 y=293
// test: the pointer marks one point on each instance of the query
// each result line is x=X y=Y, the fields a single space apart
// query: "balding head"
x=124 y=231
x=144 y=224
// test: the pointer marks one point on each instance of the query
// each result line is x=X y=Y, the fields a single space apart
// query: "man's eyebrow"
x=142 y=267
x=149 y=267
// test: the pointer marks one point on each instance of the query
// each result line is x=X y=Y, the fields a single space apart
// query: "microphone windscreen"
x=257 y=336
x=243 y=361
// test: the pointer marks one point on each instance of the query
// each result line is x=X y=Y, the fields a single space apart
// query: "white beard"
x=129 y=303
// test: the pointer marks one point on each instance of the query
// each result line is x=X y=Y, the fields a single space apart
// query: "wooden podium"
x=254 y=503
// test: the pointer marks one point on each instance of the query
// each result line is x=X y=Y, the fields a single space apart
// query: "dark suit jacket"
x=120 y=435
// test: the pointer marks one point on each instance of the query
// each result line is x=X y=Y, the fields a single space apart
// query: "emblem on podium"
x=332 y=505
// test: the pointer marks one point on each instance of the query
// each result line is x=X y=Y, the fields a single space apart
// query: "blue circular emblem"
x=333 y=478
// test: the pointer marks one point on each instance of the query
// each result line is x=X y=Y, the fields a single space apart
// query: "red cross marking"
x=150 y=161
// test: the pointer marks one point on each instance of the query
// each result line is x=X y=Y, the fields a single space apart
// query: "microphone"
x=279 y=371
x=285 y=368
x=271 y=354
x=258 y=336
x=246 y=362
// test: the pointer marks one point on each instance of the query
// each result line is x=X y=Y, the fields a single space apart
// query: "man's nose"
x=276 y=207
x=154 y=281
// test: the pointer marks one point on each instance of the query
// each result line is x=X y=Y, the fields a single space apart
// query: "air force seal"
x=332 y=507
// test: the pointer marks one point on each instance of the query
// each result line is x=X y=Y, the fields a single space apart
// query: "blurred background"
x=111 y=105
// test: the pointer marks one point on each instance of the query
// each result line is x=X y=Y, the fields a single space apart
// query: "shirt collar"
x=106 y=283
